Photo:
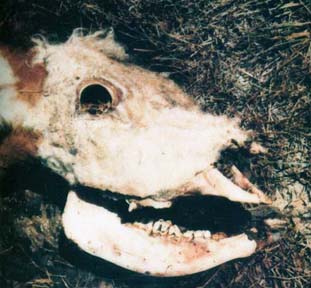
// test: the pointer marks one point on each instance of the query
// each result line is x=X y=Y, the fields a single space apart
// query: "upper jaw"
x=207 y=182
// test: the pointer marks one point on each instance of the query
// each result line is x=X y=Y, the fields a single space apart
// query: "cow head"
x=129 y=136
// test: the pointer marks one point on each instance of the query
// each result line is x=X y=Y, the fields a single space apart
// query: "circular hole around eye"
x=95 y=98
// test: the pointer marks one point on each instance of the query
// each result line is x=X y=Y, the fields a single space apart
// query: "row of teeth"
x=166 y=228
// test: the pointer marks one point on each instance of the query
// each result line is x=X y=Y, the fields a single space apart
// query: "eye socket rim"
x=114 y=92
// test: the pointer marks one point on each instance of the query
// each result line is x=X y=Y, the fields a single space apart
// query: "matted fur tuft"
x=103 y=41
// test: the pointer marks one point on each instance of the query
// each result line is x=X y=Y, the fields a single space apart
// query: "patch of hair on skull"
x=17 y=145
x=30 y=76
x=101 y=41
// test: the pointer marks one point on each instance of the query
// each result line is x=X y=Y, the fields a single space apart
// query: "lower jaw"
x=135 y=247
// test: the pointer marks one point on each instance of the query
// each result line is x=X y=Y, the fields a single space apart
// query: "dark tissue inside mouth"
x=216 y=214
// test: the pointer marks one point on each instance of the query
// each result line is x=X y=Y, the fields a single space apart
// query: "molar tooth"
x=207 y=234
x=189 y=235
x=169 y=222
x=157 y=226
x=165 y=225
x=174 y=230
x=148 y=227
x=199 y=234
x=139 y=225
x=218 y=236
x=202 y=235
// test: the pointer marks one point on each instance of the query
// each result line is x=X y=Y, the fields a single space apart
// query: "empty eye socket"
x=98 y=98
x=95 y=94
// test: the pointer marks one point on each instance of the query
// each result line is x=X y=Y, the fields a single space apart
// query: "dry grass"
x=251 y=58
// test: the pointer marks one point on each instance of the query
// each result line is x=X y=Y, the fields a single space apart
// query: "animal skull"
x=113 y=128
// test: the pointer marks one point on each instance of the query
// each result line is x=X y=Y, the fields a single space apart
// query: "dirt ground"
x=247 y=58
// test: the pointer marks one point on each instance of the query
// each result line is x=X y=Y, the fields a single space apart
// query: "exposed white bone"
x=100 y=233
x=244 y=183
x=213 y=182
x=136 y=204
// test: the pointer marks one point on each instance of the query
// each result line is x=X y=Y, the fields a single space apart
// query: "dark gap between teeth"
x=216 y=214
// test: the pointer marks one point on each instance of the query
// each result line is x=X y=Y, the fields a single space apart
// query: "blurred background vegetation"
x=247 y=58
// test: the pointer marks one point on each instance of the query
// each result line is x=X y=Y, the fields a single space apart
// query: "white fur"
x=7 y=75
x=11 y=110
x=160 y=148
